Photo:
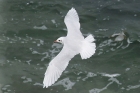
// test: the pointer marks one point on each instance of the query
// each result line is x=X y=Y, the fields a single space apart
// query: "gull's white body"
x=120 y=36
x=74 y=43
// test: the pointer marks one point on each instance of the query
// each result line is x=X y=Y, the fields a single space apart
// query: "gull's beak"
x=55 y=41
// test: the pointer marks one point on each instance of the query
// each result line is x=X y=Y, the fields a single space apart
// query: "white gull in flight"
x=74 y=43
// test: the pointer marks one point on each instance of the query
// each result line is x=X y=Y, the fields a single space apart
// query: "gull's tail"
x=88 y=47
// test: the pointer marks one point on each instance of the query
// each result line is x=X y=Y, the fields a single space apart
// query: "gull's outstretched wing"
x=57 y=66
x=72 y=23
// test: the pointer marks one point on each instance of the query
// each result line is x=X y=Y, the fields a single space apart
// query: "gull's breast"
x=73 y=45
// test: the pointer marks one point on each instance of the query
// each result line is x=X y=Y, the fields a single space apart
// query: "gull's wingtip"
x=72 y=8
x=72 y=16
x=45 y=86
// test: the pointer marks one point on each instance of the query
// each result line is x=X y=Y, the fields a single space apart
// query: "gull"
x=74 y=43
x=120 y=36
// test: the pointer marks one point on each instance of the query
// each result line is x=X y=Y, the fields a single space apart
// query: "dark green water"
x=28 y=29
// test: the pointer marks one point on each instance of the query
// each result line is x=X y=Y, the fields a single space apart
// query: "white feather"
x=57 y=66
x=88 y=47
x=72 y=23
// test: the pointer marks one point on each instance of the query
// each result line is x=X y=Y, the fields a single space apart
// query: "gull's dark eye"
x=58 y=40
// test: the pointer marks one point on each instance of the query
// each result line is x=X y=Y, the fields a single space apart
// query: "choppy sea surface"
x=29 y=27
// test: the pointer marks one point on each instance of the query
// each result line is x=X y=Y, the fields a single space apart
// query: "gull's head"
x=60 y=40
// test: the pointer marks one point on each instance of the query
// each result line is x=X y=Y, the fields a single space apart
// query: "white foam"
x=115 y=80
x=55 y=45
x=53 y=21
x=127 y=69
x=103 y=29
x=47 y=55
x=135 y=14
x=23 y=77
x=79 y=73
x=34 y=42
x=42 y=27
x=29 y=61
x=120 y=45
x=112 y=49
x=27 y=80
x=4 y=89
x=38 y=45
x=89 y=74
x=128 y=40
x=78 y=78
x=100 y=53
x=110 y=75
x=35 y=52
x=37 y=84
x=96 y=90
x=132 y=87
x=7 y=86
x=123 y=47
x=66 y=71
x=65 y=83
x=65 y=29
x=105 y=43
x=41 y=42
